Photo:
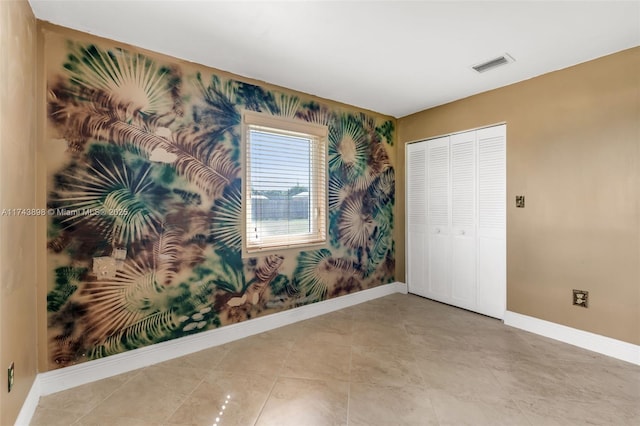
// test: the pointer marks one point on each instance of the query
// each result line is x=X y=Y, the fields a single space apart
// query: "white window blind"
x=285 y=184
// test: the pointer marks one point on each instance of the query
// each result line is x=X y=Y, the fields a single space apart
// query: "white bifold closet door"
x=439 y=231
x=463 y=220
x=492 y=221
x=456 y=201
x=416 y=207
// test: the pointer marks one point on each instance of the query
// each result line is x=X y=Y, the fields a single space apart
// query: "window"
x=285 y=183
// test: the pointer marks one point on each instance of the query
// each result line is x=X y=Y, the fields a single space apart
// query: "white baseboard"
x=87 y=372
x=594 y=342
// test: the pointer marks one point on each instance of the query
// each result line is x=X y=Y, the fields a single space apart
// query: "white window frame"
x=252 y=120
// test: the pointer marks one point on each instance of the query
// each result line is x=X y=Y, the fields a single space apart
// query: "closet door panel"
x=492 y=221
x=463 y=219
x=492 y=182
x=438 y=196
x=417 y=248
x=438 y=268
x=463 y=273
x=492 y=285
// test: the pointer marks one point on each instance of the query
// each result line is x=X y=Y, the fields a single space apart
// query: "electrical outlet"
x=520 y=201
x=581 y=298
x=10 y=377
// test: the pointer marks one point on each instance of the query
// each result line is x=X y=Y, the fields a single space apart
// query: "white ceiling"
x=393 y=57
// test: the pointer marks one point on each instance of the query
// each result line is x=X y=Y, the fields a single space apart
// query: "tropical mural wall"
x=144 y=201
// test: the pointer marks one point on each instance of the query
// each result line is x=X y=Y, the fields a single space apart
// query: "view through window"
x=285 y=187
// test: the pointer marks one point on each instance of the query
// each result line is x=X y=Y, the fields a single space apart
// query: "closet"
x=456 y=219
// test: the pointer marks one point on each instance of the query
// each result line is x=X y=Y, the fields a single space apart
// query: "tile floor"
x=398 y=360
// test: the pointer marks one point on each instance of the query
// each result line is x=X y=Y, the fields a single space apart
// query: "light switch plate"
x=581 y=298
x=520 y=201
x=10 y=377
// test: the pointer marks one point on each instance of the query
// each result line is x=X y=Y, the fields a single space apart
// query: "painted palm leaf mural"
x=145 y=183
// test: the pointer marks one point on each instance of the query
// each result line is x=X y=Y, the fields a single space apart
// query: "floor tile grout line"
x=524 y=415
x=264 y=404
x=137 y=372
x=273 y=385
x=186 y=398
x=350 y=383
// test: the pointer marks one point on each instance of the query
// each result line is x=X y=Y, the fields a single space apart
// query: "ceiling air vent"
x=493 y=63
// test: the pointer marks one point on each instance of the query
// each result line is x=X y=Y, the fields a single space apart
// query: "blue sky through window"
x=279 y=162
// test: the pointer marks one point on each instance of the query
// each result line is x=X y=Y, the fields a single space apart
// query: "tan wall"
x=573 y=149
x=18 y=312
